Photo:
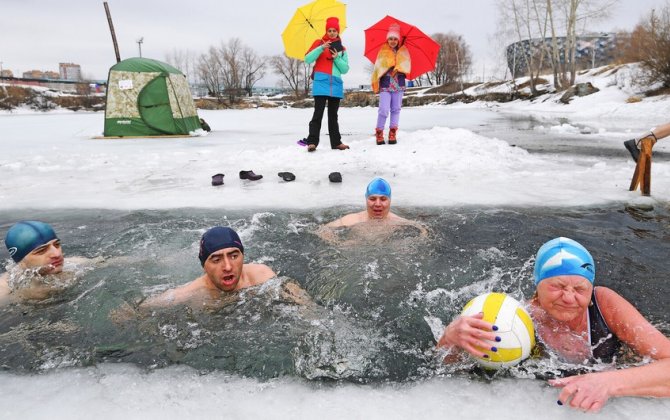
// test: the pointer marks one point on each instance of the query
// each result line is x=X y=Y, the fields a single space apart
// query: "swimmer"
x=222 y=258
x=580 y=323
x=38 y=273
x=378 y=209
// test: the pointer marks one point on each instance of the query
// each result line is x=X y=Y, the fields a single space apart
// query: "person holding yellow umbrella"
x=330 y=63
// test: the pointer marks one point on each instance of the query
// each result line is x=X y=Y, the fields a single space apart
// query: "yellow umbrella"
x=309 y=24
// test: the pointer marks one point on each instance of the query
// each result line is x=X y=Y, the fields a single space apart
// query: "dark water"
x=371 y=298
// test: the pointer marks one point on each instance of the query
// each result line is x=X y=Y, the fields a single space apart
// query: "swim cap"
x=218 y=238
x=561 y=257
x=23 y=237
x=378 y=186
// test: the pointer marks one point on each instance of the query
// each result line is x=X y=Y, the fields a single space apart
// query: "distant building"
x=33 y=74
x=592 y=50
x=6 y=73
x=69 y=71
x=51 y=75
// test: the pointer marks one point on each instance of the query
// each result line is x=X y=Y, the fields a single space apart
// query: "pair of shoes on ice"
x=379 y=136
x=341 y=146
x=250 y=175
x=217 y=179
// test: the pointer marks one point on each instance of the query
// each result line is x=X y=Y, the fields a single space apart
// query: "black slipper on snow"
x=217 y=179
x=250 y=175
x=287 y=176
x=335 y=177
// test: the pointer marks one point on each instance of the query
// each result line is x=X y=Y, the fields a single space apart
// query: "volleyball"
x=515 y=328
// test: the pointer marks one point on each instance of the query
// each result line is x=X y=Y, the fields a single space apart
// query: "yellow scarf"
x=387 y=58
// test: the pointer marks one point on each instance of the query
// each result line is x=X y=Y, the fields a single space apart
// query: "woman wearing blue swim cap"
x=580 y=322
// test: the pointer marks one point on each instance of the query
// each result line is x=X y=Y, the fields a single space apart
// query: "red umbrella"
x=422 y=49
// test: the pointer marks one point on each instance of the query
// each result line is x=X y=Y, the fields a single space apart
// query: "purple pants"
x=389 y=101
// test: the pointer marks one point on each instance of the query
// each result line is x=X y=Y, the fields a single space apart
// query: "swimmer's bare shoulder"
x=258 y=273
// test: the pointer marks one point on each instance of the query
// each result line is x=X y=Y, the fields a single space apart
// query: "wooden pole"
x=642 y=174
x=111 y=29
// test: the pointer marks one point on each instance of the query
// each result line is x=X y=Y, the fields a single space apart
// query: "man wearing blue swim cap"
x=222 y=258
x=36 y=250
x=378 y=206
x=580 y=323
x=378 y=209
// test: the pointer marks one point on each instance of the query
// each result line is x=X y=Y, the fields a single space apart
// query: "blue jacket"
x=327 y=71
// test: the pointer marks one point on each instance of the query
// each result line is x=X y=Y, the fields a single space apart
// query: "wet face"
x=224 y=268
x=48 y=258
x=378 y=206
x=393 y=42
x=332 y=33
x=564 y=298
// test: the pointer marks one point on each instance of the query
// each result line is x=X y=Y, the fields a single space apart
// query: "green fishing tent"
x=148 y=98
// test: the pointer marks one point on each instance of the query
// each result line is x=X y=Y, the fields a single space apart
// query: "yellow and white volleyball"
x=515 y=329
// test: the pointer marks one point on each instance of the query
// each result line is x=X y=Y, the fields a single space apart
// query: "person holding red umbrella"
x=330 y=63
x=392 y=65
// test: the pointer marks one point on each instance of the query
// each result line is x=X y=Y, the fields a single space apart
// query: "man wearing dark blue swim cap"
x=222 y=258
x=36 y=250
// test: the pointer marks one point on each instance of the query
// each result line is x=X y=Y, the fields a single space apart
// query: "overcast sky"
x=40 y=34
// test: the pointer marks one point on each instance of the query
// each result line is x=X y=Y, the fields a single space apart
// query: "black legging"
x=333 y=126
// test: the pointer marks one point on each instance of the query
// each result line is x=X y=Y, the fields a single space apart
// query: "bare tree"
x=653 y=43
x=184 y=61
x=253 y=69
x=231 y=69
x=292 y=73
x=534 y=20
x=209 y=70
x=453 y=61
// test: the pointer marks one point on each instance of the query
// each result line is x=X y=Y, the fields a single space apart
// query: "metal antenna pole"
x=139 y=45
x=111 y=29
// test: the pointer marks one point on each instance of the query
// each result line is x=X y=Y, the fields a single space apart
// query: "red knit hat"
x=394 y=31
x=333 y=22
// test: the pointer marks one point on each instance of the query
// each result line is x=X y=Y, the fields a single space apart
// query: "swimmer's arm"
x=4 y=289
x=327 y=231
x=144 y=307
x=591 y=391
x=423 y=231
x=327 y=234
x=293 y=292
x=651 y=380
